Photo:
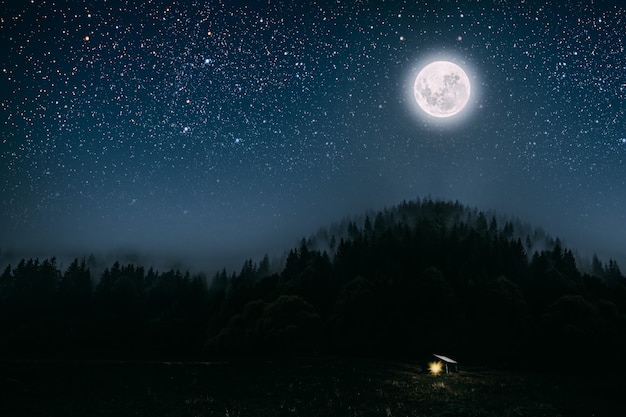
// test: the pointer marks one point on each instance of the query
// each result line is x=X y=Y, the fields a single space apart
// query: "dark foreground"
x=305 y=387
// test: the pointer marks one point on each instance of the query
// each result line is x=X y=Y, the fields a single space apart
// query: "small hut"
x=449 y=365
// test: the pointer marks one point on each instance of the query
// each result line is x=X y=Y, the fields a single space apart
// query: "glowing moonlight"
x=442 y=89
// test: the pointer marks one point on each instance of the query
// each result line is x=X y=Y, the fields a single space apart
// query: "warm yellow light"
x=435 y=367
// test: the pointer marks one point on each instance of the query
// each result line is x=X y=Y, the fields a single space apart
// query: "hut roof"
x=445 y=358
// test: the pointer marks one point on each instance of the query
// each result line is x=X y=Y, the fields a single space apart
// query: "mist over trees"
x=400 y=283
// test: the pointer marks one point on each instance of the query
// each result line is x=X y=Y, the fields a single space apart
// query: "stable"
x=449 y=365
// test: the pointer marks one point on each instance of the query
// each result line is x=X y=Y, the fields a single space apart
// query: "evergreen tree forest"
x=425 y=276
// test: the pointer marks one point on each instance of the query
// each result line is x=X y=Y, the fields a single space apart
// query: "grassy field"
x=304 y=387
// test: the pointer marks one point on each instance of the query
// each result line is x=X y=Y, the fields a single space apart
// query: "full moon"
x=442 y=89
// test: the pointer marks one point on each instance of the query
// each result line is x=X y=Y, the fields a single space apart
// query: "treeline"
x=404 y=282
x=128 y=312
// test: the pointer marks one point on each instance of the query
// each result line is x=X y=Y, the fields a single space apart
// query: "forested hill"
x=401 y=283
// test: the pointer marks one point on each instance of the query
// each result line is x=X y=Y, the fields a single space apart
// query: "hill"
x=420 y=277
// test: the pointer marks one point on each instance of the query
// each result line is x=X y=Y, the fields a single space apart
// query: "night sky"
x=214 y=131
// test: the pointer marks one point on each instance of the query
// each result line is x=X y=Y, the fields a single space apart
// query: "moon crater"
x=442 y=89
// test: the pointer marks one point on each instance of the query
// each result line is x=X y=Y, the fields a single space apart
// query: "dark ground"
x=298 y=387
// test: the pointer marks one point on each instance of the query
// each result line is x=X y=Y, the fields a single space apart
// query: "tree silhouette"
x=75 y=291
